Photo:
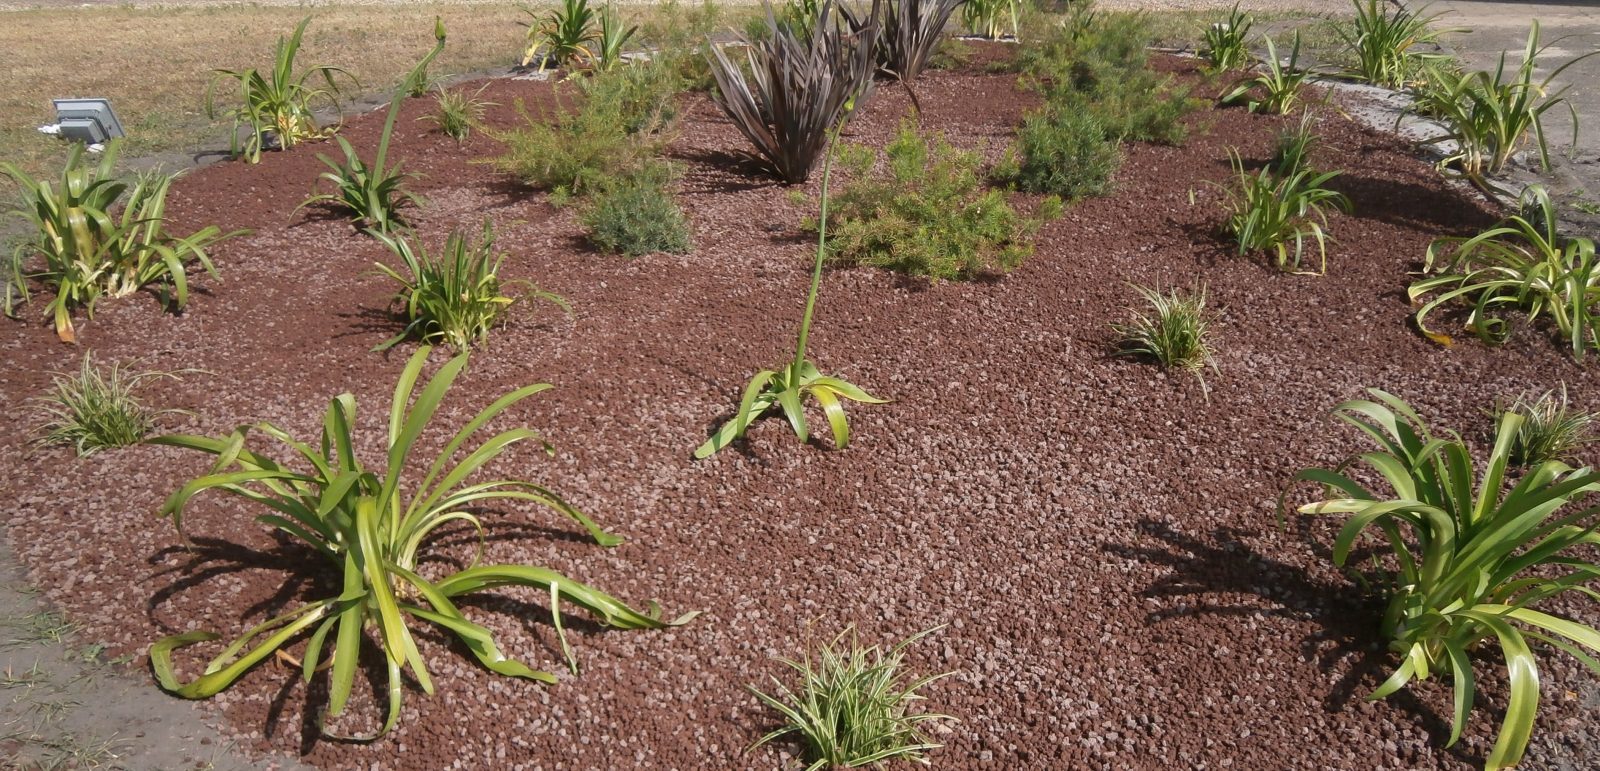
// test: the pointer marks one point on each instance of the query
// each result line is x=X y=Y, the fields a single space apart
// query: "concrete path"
x=1570 y=30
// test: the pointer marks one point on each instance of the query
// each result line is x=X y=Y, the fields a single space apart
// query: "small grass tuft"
x=458 y=112
x=1552 y=429
x=98 y=408
x=853 y=705
x=1175 y=332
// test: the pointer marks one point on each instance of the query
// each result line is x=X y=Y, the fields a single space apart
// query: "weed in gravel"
x=455 y=296
x=416 y=82
x=565 y=35
x=1487 y=116
x=1269 y=213
x=1062 y=152
x=278 y=108
x=853 y=706
x=1380 y=42
x=44 y=627
x=1291 y=149
x=800 y=85
x=1522 y=263
x=97 y=407
x=1552 y=429
x=929 y=216
x=1175 y=331
x=90 y=249
x=1225 y=45
x=1278 y=87
x=635 y=215
x=787 y=387
x=458 y=112
x=1468 y=566
x=372 y=194
x=366 y=525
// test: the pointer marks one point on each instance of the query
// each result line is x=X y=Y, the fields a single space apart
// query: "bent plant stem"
x=787 y=389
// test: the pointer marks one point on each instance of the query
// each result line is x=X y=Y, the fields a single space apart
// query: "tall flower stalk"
x=787 y=388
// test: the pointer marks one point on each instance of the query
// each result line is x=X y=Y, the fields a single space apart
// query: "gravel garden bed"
x=1100 y=537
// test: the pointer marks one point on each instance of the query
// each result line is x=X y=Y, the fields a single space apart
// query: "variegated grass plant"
x=372 y=529
x=853 y=705
x=98 y=407
x=1552 y=428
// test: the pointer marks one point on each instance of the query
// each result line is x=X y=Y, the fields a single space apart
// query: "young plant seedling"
x=787 y=387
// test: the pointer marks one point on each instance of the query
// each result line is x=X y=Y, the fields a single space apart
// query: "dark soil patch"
x=1099 y=536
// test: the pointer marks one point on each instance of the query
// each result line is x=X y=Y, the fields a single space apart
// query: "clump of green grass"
x=1225 y=43
x=1381 y=42
x=928 y=216
x=1552 y=429
x=98 y=407
x=278 y=107
x=1175 y=331
x=852 y=707
x=1279 y=214
x=635 y=215
x=458 y=112
x=1275 y=91
x=454 y=296
x=1291 y=150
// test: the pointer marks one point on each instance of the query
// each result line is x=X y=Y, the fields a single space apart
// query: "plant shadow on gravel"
x=1403 y=204
x=1225 y=564
x=209 y=558
x=720 y=172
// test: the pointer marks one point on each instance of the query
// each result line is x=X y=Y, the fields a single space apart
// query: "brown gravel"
x=1099 y=537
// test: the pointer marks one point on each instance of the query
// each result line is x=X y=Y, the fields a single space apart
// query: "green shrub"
x=579 y=149
x=677 y=34
x=1064 y=153
x=853 y=706
x=1269 y=213
x=1552 y=429
x=635 y=215
x=90 y=248
x=277 y=107
x=1522 y=263
x=1466 y=558
x=458 y=112
x=97 y=407
x=643 y=96
x=1176 y=332
x=454 y=296
x=928 y=216
x=1103 y=68
x=371 y=531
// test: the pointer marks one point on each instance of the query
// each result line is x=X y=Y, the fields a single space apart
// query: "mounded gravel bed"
x=1099 y=536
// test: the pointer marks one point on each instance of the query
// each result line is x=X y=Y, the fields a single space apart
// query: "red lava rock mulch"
x=1099 y=537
